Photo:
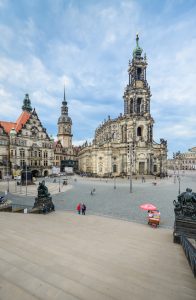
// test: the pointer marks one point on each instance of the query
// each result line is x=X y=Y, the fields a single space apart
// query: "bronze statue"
x=43 y=201
x=43 y=190
x=185 y=207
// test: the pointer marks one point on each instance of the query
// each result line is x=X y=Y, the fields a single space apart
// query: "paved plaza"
x=107 y=200
x=65 y=256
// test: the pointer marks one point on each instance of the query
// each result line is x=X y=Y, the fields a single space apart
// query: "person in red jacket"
x=79 y=207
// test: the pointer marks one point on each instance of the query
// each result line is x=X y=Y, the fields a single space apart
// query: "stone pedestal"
x=185 y=216
x=184 y=227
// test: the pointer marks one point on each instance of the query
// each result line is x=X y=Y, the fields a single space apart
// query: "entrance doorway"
x=0 y=175
x=141 y=167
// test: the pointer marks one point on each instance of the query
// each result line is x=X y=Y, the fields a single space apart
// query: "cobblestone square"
x=112 y=198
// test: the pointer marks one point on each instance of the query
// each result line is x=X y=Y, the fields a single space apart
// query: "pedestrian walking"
x=78 y=208
x=83 y=209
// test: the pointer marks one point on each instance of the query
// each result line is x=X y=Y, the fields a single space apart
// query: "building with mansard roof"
x=125 y=144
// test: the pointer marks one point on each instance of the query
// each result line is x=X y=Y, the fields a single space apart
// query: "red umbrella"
x=148 y=206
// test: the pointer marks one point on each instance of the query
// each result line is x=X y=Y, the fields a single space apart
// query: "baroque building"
x=183 y=160
x=125 y=145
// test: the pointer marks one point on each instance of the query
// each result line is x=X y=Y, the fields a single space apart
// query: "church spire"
x=64 y=118
x=64 y=94
x=64 y=125
x=27 y=104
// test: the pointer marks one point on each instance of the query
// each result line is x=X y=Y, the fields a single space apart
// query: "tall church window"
x=131 y=106
x=114 y=168
x=139 y=73
x=138 y=107
x=155 y=168
x=139 y=131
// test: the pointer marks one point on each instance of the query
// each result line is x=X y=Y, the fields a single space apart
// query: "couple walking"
x=81 y=207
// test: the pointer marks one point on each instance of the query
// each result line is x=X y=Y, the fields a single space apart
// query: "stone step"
x=68 y=256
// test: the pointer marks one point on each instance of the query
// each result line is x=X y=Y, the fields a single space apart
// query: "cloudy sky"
x=86 y=45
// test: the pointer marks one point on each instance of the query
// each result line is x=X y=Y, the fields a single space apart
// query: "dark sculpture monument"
x=185 y=215
x=43 y=201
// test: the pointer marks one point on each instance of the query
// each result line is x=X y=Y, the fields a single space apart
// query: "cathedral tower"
x=64 y=126
x=137 y=97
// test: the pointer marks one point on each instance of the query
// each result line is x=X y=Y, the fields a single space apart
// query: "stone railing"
x=189 y=246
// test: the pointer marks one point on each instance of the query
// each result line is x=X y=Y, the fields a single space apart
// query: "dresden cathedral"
x=26 y=143
x=125 y=144
x=121 y=146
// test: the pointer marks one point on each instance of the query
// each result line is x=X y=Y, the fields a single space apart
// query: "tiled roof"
x=7 y=125
x=22 y=120
x=18 y=124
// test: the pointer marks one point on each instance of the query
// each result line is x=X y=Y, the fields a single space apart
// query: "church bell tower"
x=64 y=126
x=137 y=97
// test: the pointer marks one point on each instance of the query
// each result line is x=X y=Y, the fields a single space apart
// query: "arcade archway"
x=35 y=173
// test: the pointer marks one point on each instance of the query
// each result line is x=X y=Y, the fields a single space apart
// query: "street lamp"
x=174 y=164
x=59 y=185
x=114 y=182
x=26 y=177
x=179 y=184
x=130 y=166
x=8 y=183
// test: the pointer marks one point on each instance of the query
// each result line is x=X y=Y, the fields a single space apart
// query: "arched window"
x=131 y=106
x=114 y=168
x=139 y=131
x=139 y=73
x=139 y=101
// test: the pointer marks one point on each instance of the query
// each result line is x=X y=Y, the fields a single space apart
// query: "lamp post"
x=59 y=185
x=179 y=184
x=26 y=177
x=174 y=164
x=8 y=184
x=130 y=167
x=114 y=182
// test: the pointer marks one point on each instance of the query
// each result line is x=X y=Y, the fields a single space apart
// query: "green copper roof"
x=138 y=50
x=27 y=104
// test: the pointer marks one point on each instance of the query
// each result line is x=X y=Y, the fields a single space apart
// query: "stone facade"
x=26 y=143
x=4 y=165
x=183 y=161
x=126 y=144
